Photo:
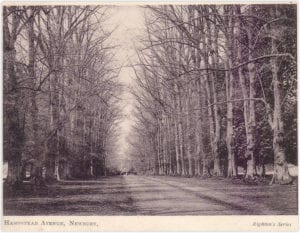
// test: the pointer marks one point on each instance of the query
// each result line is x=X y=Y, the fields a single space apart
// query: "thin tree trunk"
x=188 y=133
x=164 y=147
x=252 y=123
x=181 y=141
x=231 y=168
x=158 y=149
x=176 y=136
x=200 y=152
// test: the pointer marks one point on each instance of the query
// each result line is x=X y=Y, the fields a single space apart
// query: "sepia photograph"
x=169 y=112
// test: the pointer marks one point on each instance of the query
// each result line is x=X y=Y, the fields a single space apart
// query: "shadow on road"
x=144 y=195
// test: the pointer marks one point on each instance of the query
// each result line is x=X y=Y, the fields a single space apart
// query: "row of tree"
x=216 y=89
x=60 y=91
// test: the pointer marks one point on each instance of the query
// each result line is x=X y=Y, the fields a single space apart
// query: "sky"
x=129 y=24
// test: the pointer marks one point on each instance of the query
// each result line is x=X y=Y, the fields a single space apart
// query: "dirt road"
x=143 y=195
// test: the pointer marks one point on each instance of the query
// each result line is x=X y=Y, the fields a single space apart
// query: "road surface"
x=145 y=195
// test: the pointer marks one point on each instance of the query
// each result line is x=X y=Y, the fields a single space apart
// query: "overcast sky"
x=129 y=21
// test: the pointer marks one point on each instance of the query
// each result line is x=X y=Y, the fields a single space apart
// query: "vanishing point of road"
x=154 y=195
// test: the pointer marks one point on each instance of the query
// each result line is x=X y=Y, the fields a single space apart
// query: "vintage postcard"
x=149 y=117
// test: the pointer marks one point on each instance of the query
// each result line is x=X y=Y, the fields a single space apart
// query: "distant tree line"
x=216 y=89
x=60 y=92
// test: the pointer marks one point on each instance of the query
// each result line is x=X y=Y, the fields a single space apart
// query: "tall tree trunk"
x=176 y=139
x=252 y=123
x=51 y=163
x=204 y=64
x=37 y=150
x=180 y=131
x=14 y=133
x=206 y=159
x=158 y=148
x=249 y=110
x=200 y=151
x=180 y=105
x=164 y=147
x=181 y=140
x=231 y=168
x=210 y=118
x=281 y=173
x=188 y=133
x=217 y=136
x=169 y=147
